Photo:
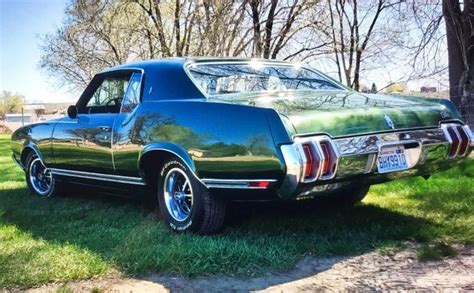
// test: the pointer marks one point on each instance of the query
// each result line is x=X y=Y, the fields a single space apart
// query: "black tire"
x=203 y=214
x=349 y=196
x=56 y=187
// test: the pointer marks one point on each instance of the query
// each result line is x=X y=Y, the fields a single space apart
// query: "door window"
x=108 y=96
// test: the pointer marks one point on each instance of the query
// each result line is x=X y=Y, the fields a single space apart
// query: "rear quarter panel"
x=223 y=140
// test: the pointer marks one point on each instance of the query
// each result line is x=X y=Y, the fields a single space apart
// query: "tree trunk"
x=257 y=38
x=461 y=55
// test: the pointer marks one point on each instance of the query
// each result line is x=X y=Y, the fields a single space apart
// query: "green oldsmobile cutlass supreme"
x=192 y=134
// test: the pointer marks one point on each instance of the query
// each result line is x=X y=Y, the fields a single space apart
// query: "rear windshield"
x=232 y=78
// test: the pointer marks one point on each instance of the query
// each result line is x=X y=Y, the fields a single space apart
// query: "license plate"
x=392 y=159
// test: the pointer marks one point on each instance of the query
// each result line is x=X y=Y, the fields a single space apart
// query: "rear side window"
x=132 y=95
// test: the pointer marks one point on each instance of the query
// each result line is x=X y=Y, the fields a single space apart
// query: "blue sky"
x=22 y=23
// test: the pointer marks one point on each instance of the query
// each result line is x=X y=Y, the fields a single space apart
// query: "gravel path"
x=394 y=270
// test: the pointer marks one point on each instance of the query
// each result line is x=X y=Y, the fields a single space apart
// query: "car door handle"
x=105 y=128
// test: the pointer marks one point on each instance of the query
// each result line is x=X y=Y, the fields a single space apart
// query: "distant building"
x=34 y=107
x=35 y=112
x=428 y=89
x=18 y=118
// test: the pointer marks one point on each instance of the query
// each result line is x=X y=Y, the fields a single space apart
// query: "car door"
x=84 y=143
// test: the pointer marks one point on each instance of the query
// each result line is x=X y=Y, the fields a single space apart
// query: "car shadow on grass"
x=258 y=238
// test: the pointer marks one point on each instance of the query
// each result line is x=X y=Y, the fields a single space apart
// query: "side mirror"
x=72 y=111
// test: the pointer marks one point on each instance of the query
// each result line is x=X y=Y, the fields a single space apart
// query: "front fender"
x=34 y=137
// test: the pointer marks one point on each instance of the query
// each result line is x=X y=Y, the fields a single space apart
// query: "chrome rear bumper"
x=428 y=151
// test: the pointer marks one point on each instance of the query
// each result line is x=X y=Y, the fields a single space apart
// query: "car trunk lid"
x=342 y=113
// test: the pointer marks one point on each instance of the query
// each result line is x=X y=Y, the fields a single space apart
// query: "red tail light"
x=464 y=141
x=259 y=184
x=325 y=170
x=320 y=158
x=453 y=151
x=309 y=161
x=459 y=138
x=330 y=160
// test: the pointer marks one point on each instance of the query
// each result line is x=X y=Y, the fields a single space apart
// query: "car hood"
x=341 y=113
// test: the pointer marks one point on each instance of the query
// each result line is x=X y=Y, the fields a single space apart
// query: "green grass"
x=436 y=251
x=89 y=235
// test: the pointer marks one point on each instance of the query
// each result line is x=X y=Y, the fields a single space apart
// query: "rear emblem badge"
x=389 y=121
x=444 y=114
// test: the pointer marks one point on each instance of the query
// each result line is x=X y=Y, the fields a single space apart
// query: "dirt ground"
x=392 y=270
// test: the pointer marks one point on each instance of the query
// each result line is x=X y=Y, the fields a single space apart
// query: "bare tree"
x=99 y=34
x=459 y=18
x=358 y=36
x=276 y=24
x=354 y=26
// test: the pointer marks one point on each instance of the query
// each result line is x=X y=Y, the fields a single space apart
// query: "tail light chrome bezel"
x=460 y=139
x=315 y=152
x=314 y=143
x=334 y=159
x=469 y=134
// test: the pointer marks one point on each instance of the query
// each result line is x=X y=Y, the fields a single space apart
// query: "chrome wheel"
x=178 y=194
x=40 y=177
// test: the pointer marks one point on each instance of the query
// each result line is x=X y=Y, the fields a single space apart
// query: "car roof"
x=167 y=78
x=180 y=61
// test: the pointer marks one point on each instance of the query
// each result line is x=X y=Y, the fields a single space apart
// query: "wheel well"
x=24 y=154
x=151 y=163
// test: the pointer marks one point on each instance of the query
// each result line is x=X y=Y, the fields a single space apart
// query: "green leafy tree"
x=10 y=103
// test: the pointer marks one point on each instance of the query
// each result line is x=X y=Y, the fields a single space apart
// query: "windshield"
x=232 y=78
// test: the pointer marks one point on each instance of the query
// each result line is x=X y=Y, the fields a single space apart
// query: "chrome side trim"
x=98 y=176
x=234 y=183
